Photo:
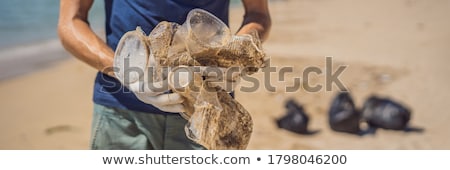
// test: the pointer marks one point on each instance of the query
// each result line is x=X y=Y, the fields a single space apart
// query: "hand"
x=132 y=47
x=168 y=102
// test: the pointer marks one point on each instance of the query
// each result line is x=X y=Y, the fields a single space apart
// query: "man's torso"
x=125 y=15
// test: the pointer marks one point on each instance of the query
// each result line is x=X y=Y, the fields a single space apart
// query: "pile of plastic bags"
x=175 y=58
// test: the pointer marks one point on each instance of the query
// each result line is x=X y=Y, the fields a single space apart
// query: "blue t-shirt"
x=125 y=15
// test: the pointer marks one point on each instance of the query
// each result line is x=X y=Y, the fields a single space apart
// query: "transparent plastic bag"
x=202 y=125
x=215 y=119
x=205 y=32
x=201 y=33
x=159 y=42
x=132 y=53
x=243 y=51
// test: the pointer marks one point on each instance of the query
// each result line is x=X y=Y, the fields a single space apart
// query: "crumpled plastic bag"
x=343 y=115
x=386 y=113
x=215 y=119
x=295 y=120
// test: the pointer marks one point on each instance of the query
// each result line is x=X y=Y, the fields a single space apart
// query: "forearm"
x=79 y=39
x=256 y=18
x=261 y=24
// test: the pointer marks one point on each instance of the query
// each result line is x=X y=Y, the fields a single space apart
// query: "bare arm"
x=79 y=39
x=256 y=17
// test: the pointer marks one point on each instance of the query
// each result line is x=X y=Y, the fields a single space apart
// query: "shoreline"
x=27 y=58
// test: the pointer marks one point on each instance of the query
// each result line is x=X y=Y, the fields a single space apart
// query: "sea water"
x=33 y=21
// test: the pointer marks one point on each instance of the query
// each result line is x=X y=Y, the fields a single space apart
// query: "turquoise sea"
x=31 y=21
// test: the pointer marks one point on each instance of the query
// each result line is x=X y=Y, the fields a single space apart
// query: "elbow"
x=64 y=31
x=65 y=35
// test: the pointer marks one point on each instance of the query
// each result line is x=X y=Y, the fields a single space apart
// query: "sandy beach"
x=396 y=49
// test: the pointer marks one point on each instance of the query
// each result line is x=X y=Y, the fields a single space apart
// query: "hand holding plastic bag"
x=216 y=120
x=131 y=60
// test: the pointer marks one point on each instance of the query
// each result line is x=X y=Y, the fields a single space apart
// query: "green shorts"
x=114 y=128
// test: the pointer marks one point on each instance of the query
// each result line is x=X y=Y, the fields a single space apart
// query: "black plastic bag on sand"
x=342 y=116
x=295 y=119
x=385 y=113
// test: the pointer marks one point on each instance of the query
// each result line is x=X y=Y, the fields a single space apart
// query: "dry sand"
x=397 y=49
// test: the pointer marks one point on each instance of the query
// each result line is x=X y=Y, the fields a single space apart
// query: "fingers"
x=171 y=102
x=148 y=89
x=155 y=88
x=161 y=100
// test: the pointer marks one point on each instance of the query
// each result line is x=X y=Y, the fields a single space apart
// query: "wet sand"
x=394 y=49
